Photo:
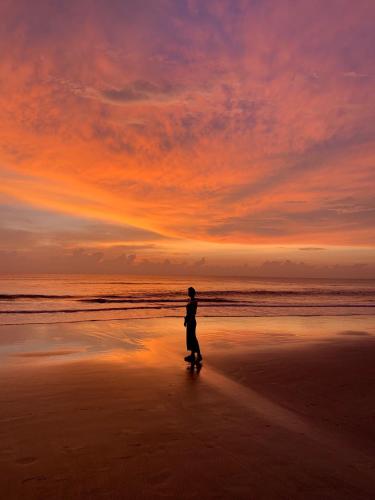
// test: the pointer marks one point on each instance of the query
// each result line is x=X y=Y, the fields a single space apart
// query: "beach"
x=282 y=408
x=187 y=250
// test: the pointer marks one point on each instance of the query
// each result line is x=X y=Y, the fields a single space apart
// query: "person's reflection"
x=193 y=371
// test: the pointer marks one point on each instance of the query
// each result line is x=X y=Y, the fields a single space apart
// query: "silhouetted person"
x=191 y=324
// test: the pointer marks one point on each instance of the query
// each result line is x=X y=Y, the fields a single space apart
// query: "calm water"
x=73 y=298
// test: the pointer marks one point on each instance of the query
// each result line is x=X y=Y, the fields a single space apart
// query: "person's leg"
x=188 y=347
x=197 y=350
x=192 y=342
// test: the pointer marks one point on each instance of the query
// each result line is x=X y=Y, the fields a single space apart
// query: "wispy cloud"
x=141 y=91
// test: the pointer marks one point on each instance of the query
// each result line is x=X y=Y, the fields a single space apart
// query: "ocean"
x=47 y=299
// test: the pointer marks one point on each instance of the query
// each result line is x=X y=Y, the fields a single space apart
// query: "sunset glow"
x=188 y=136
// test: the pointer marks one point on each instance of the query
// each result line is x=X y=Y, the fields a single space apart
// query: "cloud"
x=42 y=241
x=17 y=238
x=353 y=74
x=311 y=249
x=22 y=228
x=139 y=91
x=249 y=123
x=340 y=219
x=84 y=260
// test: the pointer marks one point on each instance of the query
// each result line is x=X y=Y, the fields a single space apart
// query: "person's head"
x=191 y=292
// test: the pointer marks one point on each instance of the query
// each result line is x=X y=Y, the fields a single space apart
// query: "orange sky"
x=187 y=136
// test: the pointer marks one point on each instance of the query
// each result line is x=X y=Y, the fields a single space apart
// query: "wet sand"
x=283 y=410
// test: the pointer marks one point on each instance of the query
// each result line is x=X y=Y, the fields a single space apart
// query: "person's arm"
x=195 y=306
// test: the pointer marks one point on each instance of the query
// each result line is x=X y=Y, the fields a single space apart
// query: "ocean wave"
x=306 y=292
x=204 y=296
x=96 y=309
x=137 y=318
x=17 y=296
x=162 y=306
x=134 y=300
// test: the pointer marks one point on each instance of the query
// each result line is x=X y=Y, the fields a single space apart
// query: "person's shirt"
x=191 y=309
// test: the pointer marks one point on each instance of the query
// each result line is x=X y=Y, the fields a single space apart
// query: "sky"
x=188 y=137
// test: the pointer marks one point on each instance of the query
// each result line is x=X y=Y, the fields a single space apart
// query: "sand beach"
x=280 y=409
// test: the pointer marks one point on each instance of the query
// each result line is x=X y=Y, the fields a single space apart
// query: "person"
x=190 y=323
